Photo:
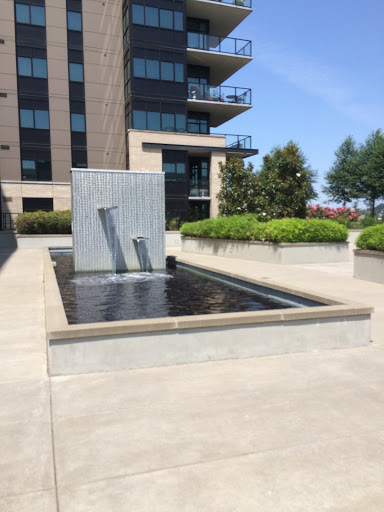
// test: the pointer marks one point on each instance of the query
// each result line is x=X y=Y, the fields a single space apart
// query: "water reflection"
x=100 y=297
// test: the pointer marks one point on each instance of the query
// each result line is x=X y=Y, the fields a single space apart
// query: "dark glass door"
x=199 y=177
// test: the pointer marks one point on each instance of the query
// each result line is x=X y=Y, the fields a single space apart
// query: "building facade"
x=119 y=85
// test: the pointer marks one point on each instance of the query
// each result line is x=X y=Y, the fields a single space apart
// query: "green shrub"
x=369 y=221
x=246 y=227
x=371 y=238
x=40 y=222
x=303 y=230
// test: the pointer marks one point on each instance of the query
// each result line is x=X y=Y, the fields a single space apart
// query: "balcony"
x=237 y=145
x=237 y=141
x=224 y=55
x=219 y=44
x=199 y=189
x=222 y=103
x=223 y=15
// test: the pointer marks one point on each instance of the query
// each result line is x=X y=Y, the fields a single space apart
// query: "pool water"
x=101 y=297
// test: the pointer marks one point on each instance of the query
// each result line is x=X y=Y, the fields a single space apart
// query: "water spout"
x=142 y=252
x=110 y=219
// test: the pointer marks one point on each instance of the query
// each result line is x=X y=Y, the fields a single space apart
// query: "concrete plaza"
x=298 y=432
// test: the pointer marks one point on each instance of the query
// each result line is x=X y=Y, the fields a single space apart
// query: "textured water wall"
x=139 y=220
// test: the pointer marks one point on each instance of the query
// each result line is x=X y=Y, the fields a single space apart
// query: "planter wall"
x=369 y=265
x=285 y=254
x=40 y=241
x=172 y=239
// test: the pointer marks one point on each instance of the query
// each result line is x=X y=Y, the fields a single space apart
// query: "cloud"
x=319 y=80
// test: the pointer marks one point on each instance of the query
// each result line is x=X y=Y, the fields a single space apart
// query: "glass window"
x=42 y=119
x=152 y=16
x=139 y=68
x=180 y=122
x=39 y=68
x=139 y=120
x=78 y=122
x=74 y=21
x=22 y=13
x=167 y=71
x=169 y=171
x=193 y=126
x=138 y=14
x=179 y=73
x=24 y=66
x=178 y=20
x=76 y=72
x=32 y=204
x=28 y=168
x=153 y=121
x=152 y=67
x=180 y=171
x=168 y=122
x=26 y=118
x=37 y=15
x=166 y=18
x=43 y=168
x=203 y=126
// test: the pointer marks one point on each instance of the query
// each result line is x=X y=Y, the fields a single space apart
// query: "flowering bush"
x=343 y=214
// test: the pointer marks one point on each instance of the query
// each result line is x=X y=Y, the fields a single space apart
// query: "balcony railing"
x=221 y=93
x=219 y=44
x=199 y=188
x=240 y=3
x=236 y=141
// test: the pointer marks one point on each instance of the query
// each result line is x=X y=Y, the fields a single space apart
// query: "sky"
x=317 y=76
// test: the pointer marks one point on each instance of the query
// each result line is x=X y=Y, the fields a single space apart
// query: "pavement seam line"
x=218 y=459
x=53 y=448
x=50 y=401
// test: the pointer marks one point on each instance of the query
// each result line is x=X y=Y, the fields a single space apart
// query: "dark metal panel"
x=28 y=86
x=30 y=137
x=30 y=35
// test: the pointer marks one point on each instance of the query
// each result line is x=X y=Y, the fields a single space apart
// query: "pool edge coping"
x=57 y=327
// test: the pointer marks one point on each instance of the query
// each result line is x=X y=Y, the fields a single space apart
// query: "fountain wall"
x=118 y=220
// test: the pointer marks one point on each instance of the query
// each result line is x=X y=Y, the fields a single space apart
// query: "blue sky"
x=317 y=76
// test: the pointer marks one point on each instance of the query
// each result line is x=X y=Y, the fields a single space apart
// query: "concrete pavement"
x=298 y=432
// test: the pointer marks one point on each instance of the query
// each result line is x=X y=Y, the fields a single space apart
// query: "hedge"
x=371 y=238
x=39 y=223
x=246 y=227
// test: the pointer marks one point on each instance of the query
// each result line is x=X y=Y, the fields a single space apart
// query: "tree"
x=342 y=177
x=238 y=184
x=371 y=169
x=285 y=183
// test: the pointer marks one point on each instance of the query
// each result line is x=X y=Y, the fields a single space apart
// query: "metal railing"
x=220 y=93
x=6 y=221
x=236 y=141
x=239 y=3
x=219 y=44
x=199 y=188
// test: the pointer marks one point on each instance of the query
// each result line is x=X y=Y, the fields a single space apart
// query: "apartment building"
x=119 y=85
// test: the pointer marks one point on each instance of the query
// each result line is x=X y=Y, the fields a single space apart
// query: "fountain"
x=183 y=315
x=118 y=220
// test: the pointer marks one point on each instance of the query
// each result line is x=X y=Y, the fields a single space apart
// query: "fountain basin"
x=109 y=346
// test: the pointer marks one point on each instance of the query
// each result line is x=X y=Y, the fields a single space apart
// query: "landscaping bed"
x=369 y=257
x=285 y=241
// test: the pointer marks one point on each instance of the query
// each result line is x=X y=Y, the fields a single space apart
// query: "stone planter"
x=369 y=265
x=172 y=239
x=284 y=254
x=40 y=241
